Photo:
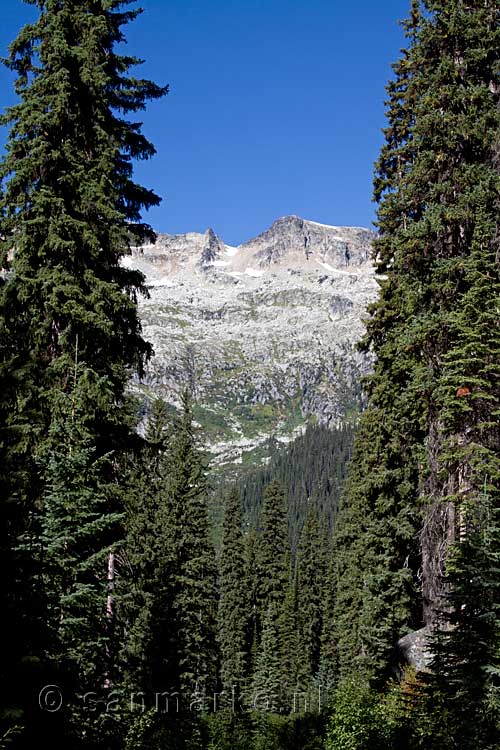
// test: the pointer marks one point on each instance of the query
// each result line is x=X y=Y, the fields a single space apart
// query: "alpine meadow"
x=250 y=493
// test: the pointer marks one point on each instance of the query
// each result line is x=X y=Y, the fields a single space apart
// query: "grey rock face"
x=293 y=236
x=266 y=331
x=414 y=650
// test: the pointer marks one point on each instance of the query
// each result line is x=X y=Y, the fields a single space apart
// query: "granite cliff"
x=265 y=333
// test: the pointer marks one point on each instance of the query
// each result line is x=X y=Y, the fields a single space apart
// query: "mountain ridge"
x=265 y=332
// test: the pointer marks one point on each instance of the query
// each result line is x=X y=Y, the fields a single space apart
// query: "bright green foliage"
x=229 y=730
x=234 y=602
x=358 y=721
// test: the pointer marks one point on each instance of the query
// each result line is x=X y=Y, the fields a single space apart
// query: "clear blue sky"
x=276 y=107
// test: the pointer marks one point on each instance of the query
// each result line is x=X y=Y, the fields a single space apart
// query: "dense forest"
x=352 y=601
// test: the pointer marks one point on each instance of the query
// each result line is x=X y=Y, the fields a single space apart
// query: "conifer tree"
x=168 y=600
x=454 y=261
x=268 y=689
x=272 y=552
x=328 y=655
x=376 y=541
x=69 y=209
x=194 y=604
x=312 y=573
x=278 y=622
x=146 y=590
x=234 y=602
x=465 y=676
x=252 y=580
x=429 y=434
x=78 y=530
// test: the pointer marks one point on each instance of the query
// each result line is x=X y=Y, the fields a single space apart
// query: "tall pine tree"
x=234 y=603
x=69 y=209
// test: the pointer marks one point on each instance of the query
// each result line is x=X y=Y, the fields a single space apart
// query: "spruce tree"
x=268 y=689
x=376 y=540
x=454 y=262
x=277 y=619
x=465 y=673
x=429 y=435
x=272 y=553
x=234 y=603
x=252 y=582
x=69 y=210
x=312 y=573
x=79 y=532
x=194 y=604
x=146 y=591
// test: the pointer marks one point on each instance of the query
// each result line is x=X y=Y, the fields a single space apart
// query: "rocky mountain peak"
x=292 y=236
x=212 y=249
x=267 y=330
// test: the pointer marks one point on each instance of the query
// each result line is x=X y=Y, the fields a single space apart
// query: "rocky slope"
x=265 y=332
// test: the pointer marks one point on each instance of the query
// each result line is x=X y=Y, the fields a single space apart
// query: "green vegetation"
x=286 y=633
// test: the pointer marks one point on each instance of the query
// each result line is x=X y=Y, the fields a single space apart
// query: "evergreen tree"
x=268 y=689
x=252 y=581
x=168 y=597
x=272 y=553
x=328 y=654
x=376 y=541
x=312 y=573
x=234 y=602
x=278 y=620
x=465 y=675
x=194 y=603
x=68 y=211
x=146 y=590
x=429 y=434
x=312 y=472
x=78 y=531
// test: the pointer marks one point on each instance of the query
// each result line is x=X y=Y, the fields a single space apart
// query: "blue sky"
x=275 y=107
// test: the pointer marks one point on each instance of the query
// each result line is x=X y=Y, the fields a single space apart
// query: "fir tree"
x=234 y=602
x=252 y=582
x=146 y=590
x=376 y=541
x=268 y=688
x=272 y=552
x=312 y=573
x=429 y=431
x=195 y=596
x=78 y=529
x=466 y=647
x=69 y=210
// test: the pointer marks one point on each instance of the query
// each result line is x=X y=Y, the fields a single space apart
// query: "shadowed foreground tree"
x=69 y=210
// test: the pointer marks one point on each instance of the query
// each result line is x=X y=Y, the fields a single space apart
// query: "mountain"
x=265 y=332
